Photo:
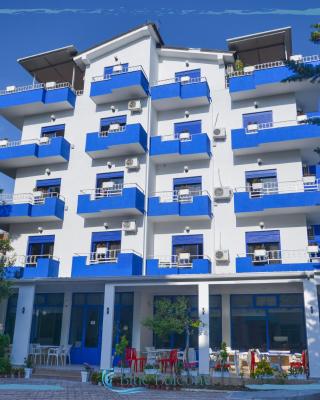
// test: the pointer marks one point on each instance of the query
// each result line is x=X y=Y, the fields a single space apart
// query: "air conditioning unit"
x=301 y=118
x=184 y=192
x=185 y=79
x=4 y=142
x=44 y=140
x=184 y=136
x=113 y=127
x=134 y=105
x=250 y=68
x=132 y=163
x=184 y=257
x=260 y=253
x=309 y=179
x=222 y=256
x=129 y=226
x=107 y=185
x=50 y=85
x=117 y=68
x=10 y=89
x=222 y=193
x=252 y=127
x=219 y=133
x=313 y=249
x=296 y=57
x=257 y=186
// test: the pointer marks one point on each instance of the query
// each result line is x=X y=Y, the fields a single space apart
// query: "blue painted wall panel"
x=198 y=267
x=245 y=265
x=201 y=205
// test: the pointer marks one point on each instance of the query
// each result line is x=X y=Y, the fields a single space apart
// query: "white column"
x=142 y=308
x=66 y=318
x=312 y=326
x=203 y=339
x=107 y=328
x=3 y=313
x=226 y=319
x=22 y=329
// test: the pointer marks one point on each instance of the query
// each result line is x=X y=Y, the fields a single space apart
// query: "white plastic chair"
x=35 y=352
x=65 y=354
x=151 y=355
x=54 y=353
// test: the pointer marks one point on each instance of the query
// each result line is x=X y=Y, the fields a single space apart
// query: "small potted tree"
x=86 y=373
x=221 y=368
x=296 y=371
x=122 y=368
x=28 y=367
x=263 y=370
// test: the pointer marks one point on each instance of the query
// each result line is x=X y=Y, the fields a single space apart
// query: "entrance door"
x=86 y=333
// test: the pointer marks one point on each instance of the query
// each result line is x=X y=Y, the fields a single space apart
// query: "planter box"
x=296 y=377
x=220 y=374
x=150 y=371
x=27 y=373
x=84 y=376
x=191 y=373
x=119 y=370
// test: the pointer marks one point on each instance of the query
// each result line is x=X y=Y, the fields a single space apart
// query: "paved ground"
x=78 y=391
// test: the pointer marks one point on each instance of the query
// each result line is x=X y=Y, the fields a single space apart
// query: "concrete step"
x=57 y=373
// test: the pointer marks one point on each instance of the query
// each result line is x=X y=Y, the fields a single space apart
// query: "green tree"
x=173 y=317
x=5 y=248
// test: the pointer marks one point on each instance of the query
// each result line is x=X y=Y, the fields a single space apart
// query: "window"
x=193 y=75
x=109 y=184
x=268 y=322
x=47 y=319
x=185 y=188
x=112 y=124
x=123 y=316
x=53 y=131
x=259 y=183
x=11 y=315
x=262 y=119
x=39 y=247
x=186 y=248
x=115 y=69
x=264 y=247
x=215 y=322
x=190 y=127
x=49 y=187
x=105 y=246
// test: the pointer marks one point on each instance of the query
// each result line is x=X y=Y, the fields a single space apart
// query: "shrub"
x=5 y=366
x=263 y=369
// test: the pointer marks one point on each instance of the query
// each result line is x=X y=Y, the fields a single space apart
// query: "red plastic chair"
x=131 y=358
x=169 y=362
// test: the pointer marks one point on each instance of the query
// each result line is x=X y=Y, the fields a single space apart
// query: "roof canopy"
x=54 y=66
x=263 y=47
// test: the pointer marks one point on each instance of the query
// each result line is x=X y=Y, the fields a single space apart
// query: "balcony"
x=115 y=263
x=279 y=198
x=170 y=265
x=16 y=103
x=131 y=83
x=26 y=207
x=127 y=199
x=164 y=149
x=33 y=152
x=278 y=261
x=30 y=267
x=266 y=79
x=268 y=137
x=180 y=204
x=173 y=94
x=128 y=140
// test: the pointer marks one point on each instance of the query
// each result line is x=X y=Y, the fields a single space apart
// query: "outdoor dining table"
x=279 y=354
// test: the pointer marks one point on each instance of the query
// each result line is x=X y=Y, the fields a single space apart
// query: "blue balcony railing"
x=130 y=139
x=26 y=153
x=180 y=204
x=265 y=77
x=278 y=261
x=130 y=83
x=167 y=148
x=287 y=197
x=19 y=102
x=170 y=265
x=33 y=267
x=275 y=136
x=115 y=263
x=127 y=199
x=172 y=93
x=27 y=207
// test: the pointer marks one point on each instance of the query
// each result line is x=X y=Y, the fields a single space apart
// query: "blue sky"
x=29 y=27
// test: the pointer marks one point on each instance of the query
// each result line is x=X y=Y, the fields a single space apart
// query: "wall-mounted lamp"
x=187 y=63
x=187 y=229
x=23 y=310
x=116 y=58
x=109 y=164
x=203 y=311
x=311 y=310
x=261 y=224
x=106 y=225
x=52 y=117
x=113 y=109
x=108 y=310
x=40 y=229
x=186 y=169
x=255 y=104
x=187 y=114
x=259 y=161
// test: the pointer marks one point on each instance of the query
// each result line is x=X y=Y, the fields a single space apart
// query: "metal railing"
x=263 y=257
x=178 y=80
x=175 y=136
x=30 y=198
x=115 y=190
x=273 y=124
x=123 y=71
x=103 y=255
x=16 y=143
x=35 y=86
x=179 y=195
x=268 y=188
x=176 y=261
x=23 y=260
x=272 y=64
x=106 y=133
